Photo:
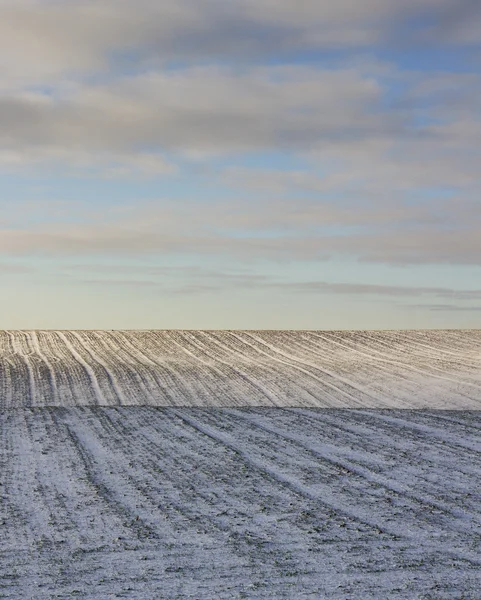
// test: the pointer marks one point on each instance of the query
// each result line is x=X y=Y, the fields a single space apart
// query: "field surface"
x=223 y=465
x=414 y=369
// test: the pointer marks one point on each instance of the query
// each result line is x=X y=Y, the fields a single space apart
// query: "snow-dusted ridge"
x=338 y=369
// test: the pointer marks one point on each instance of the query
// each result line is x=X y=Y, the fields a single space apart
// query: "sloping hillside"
x=412 y=369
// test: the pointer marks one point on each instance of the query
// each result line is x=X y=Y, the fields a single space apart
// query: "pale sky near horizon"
x=240 y=164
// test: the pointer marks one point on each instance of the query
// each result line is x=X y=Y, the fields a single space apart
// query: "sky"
x=240 y=164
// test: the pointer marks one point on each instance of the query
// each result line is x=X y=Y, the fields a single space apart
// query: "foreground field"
x=104 y=502
x=415 y=369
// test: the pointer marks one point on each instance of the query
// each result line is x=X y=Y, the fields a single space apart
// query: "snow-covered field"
x=415 y=369
x=240 y=465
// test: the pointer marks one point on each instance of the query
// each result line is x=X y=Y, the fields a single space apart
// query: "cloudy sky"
x=240 y=164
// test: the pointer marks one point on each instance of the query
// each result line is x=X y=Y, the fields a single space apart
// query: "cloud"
x=324 y=287
x=130 y=90
x=84 y=163
x=198 y=278
x=90 y=87
x=195 y=279
x=335 y=118
x=447 y=308
x=338 y=118
x=442 y=231
x=200 y=111
x=49 y=40
x=457 y=23
x=10 y=268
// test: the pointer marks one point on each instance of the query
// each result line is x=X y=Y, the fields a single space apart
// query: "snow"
x=414 y=369
x=146 y=502
x=182 y=464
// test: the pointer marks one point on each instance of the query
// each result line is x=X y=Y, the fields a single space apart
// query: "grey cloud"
x=173 y=280
x=380 y=290
x=153 y=271
x=11 y=268
x=185 y=280
x=457 y=22
x=195 y=278
x=199 y=111
x=446 y=307
x=429 y=247
x=400 y=235
x=103 y=163
x=367 y=176
x=138 y=125
x=372 y=153
x=46 y=39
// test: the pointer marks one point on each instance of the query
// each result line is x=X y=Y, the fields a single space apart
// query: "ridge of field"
x=337 y=369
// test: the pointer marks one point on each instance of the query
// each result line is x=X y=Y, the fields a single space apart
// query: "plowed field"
x=227 y=465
